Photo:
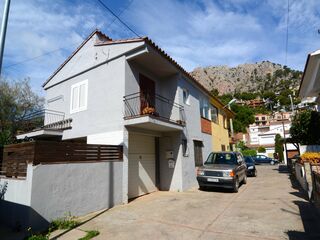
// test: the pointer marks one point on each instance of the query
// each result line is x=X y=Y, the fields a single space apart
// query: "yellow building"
x=221 y=124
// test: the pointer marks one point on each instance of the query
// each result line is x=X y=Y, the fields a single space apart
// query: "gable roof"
x=109 y=41
x=96 y=31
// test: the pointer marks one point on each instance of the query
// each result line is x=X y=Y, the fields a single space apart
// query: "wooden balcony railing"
x=16 y=157
x=137 y=105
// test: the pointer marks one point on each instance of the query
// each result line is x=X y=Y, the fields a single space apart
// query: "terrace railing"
x=138 y=104
x=45 y=119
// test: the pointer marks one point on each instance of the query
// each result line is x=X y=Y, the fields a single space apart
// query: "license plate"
x=213 y=180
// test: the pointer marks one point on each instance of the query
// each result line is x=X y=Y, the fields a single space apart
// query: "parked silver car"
x=223 y=169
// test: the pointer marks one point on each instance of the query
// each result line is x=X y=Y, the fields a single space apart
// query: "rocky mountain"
x=248 y=77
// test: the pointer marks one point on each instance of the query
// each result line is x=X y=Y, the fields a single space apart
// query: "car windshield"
x=221 y=158
x=248 y=159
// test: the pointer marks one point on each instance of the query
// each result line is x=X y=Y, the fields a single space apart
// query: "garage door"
x=142 y=165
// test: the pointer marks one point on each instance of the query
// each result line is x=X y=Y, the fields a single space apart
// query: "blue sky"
x=195 y=33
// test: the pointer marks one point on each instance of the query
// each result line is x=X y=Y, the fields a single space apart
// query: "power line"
x=115 y=15
x=63 y=48
x=287 y=36
x=34 y=58
x=123 y=10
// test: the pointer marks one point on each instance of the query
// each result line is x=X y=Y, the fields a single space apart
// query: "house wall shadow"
x=309 y=214
x=19 y=217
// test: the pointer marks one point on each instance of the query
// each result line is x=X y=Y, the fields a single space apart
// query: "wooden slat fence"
x=17 y=156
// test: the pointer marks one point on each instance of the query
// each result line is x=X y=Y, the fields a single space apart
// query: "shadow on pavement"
x=311 y=222
x=310 y=216
x=216 y=189
x=282 y=169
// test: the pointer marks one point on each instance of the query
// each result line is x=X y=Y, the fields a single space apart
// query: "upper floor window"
x=186 y=96
x=204 y=108
x=79 y=95
x=214 y=114
x=225 y=121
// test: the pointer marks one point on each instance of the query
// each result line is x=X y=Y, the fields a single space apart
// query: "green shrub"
x=38 y=237
x=249 y=152
x=66 y=222
x=261 y=149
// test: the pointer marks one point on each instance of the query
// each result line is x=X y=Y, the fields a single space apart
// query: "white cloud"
x=195 y=33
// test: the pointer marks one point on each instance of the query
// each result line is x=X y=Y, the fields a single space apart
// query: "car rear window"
x=221 y=158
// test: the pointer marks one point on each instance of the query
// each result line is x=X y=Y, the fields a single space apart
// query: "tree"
x=261 y=149
x=305 y=128
x=215 y=92
x=245 y=150
x=243 y=118
x=278 y=146
x=16 y=101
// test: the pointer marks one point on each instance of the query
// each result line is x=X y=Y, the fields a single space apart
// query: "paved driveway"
x=267 y=207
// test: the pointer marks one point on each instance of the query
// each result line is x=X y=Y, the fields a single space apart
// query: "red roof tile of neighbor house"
x=109 y=41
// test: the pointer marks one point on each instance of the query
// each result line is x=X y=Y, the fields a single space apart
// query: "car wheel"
x=236 y=185
x=272 y=162
x=255 y=174
x=202 y=188
x=244 y=181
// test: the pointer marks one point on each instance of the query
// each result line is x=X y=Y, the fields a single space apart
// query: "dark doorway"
x=147 y=93
x=198 y=152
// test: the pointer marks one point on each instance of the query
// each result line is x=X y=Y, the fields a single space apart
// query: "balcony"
x=153 y=112
x=43 y=123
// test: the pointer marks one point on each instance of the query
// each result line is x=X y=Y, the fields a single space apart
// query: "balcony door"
x=147 y=95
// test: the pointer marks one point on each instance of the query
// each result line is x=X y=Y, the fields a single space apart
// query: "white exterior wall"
x=192 y=131
x=51 y=191
x=78 y=188
x=19 y=190
x=105 y=94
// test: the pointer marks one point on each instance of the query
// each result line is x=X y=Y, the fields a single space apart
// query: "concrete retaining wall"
x=301 y=176
x=51 y=191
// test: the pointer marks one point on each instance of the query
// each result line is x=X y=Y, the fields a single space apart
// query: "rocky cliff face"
x=263 y=76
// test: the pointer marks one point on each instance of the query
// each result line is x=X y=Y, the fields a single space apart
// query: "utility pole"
x=291 y=103
x=4 y=30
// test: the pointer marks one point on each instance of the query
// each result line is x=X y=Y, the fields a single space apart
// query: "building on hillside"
x=262 y=119
x=262 y=133
x=254 y=103
x=310 y=83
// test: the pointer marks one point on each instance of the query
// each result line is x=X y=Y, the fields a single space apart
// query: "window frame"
x=187 y=100
x=205 y=108
x=217 y=112
x=78 y=108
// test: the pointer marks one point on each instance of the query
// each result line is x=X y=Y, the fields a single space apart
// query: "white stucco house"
x=130 y=92
x=266 y=127
x=310 y=83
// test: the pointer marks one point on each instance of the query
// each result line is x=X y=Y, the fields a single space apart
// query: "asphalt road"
x=269 y=207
